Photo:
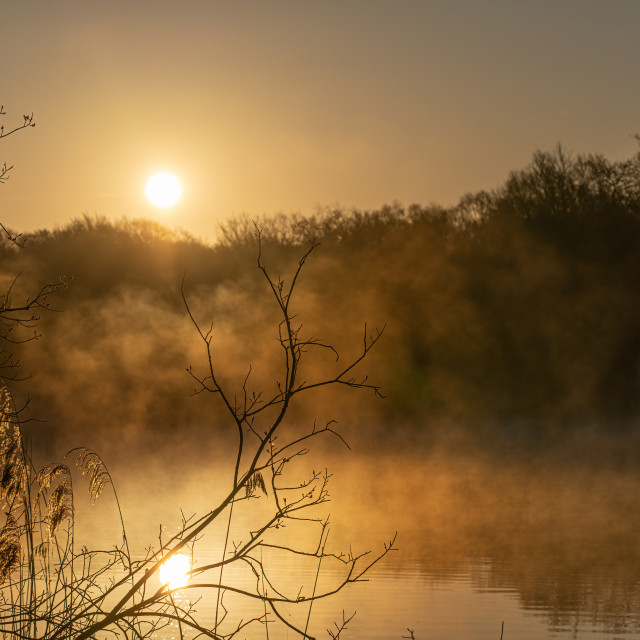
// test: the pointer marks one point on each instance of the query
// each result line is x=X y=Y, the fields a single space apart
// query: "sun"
x=163 y=190
x=174 y=571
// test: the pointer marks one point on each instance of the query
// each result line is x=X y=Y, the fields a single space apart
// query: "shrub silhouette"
x=51 y=589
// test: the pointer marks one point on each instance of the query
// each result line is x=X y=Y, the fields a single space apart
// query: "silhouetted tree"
x=16 y=317
x=51 y=589
x=505 y=309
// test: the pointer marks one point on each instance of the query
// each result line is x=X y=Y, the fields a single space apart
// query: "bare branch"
x=76 y=602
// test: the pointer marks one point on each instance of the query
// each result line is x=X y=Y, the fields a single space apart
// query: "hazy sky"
x=271 y=106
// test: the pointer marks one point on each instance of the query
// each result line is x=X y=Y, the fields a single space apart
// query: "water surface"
x=552 y=555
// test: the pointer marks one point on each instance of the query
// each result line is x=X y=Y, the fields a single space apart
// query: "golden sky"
x=268 y=106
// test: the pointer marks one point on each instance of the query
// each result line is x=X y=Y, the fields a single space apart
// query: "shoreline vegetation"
x=511 y=317
x=511 y=343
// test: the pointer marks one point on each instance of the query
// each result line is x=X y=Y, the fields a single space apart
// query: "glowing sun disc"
x=174 y=571
x=163 y=190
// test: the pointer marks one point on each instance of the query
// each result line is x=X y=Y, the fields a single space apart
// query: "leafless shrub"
x=68 y=593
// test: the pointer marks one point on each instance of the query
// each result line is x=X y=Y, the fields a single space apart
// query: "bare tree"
x=27 y=121
x=18 y=319
x=54 y=591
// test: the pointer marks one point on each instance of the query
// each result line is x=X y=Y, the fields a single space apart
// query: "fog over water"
x=510 y=362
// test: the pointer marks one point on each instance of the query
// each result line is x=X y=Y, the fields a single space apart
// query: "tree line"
x=512 y=317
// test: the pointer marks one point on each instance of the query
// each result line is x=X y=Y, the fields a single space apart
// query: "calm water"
x=557 y=558
x=470 y=601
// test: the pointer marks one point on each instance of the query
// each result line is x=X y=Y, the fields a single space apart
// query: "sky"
x=274 y=106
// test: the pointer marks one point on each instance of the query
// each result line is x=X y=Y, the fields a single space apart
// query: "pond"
x=550 y=555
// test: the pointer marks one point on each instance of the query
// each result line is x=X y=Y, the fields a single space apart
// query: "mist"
x=509 y=362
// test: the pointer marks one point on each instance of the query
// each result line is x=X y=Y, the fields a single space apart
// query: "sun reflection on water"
x=174 y=571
